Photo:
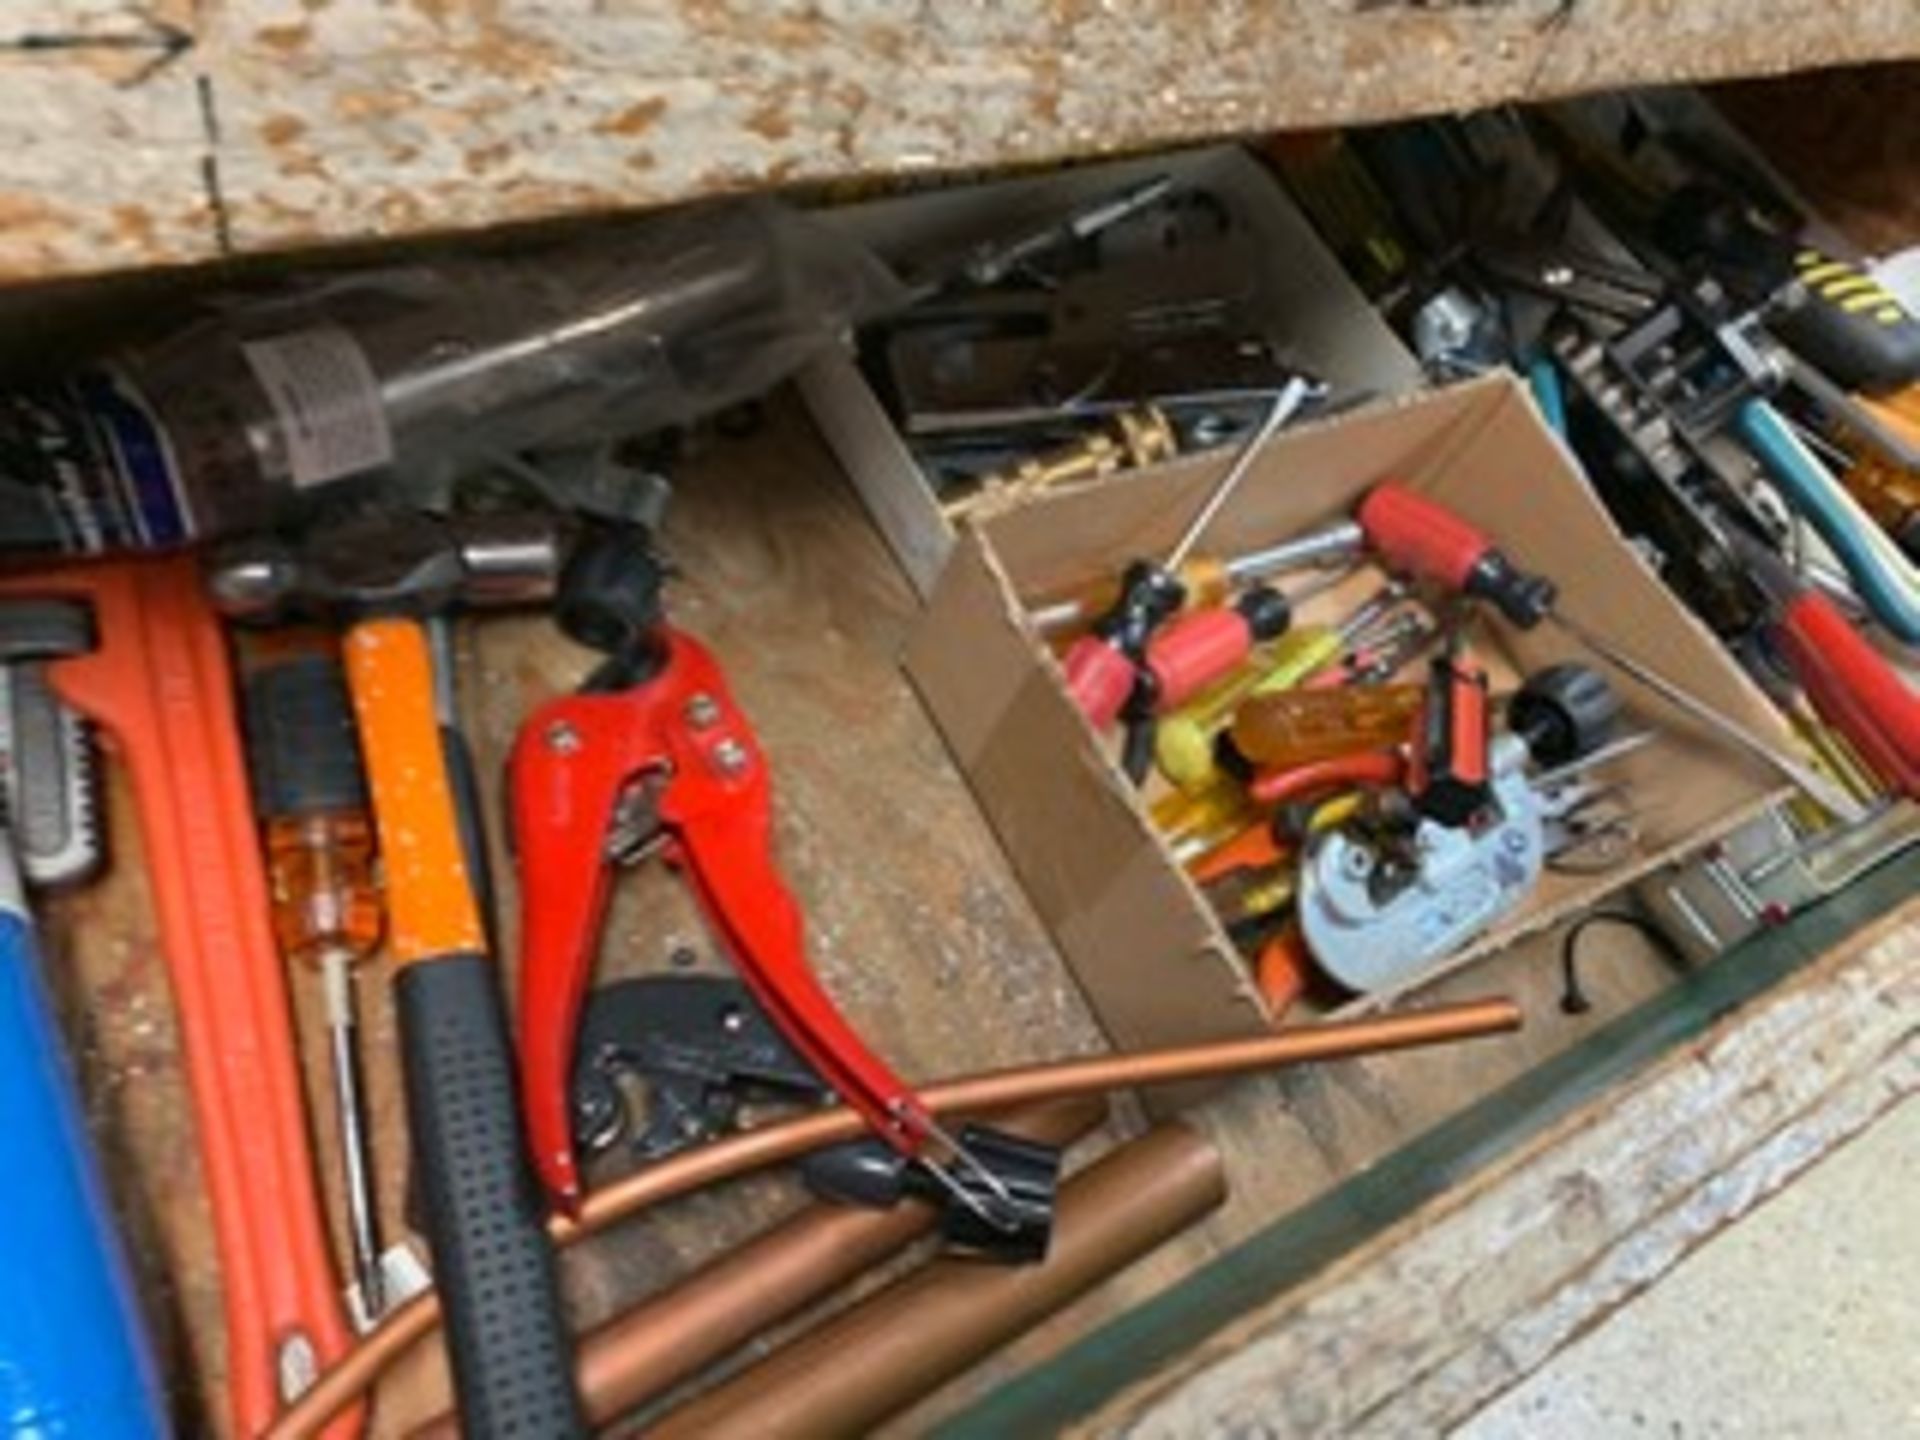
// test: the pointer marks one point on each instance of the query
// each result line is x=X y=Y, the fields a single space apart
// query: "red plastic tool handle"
x=1194 y=651
x=681 y=735
x=1253 y=847
x=1450 y=734
x=568 y=769
x=160 y=688
x=1369 y=768
x=1420 y=537
x=1099 y=678
x=1854 y=688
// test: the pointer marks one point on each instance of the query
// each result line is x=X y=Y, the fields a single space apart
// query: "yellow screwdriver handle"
x=1183 y=741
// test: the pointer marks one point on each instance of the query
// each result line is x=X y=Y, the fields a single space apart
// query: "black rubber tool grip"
x=301 y=744
x=493 y=1261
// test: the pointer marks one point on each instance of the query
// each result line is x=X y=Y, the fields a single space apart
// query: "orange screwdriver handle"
x=159 y=686
x=1281 y=970
x=1289 y=728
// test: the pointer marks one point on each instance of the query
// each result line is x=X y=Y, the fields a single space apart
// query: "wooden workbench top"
x=177 y=131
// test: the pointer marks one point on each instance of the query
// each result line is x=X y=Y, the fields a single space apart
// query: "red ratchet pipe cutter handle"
x=678 y=739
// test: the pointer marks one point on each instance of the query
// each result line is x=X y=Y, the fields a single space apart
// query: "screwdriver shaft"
x=1830 y=795
x=356 y=1159
x=1286 y=405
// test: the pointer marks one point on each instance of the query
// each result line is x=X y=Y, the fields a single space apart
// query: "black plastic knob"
x=1563 y=712
x=1267 y=611
x=609 y=597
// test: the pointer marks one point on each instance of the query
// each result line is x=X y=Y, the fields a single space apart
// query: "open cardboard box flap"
x=1139 y=937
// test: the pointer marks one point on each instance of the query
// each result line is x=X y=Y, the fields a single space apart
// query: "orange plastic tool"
x=1284 y=729
x=159 y=687
x=1281 y=969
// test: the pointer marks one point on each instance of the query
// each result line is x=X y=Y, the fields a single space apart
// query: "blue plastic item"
x=74 y=1357
x=1548 y=393
x=1886 y=583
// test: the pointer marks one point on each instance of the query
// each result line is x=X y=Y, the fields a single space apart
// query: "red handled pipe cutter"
x=653 y=757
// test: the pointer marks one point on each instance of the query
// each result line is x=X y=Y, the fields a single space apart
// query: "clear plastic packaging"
x=414 y=376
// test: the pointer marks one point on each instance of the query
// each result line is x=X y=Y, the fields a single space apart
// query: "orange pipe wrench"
x=159 y=687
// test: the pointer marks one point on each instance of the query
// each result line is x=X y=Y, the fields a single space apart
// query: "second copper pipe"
x=902 y=1343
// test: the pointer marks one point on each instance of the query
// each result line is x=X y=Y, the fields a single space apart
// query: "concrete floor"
x=1801 y=1320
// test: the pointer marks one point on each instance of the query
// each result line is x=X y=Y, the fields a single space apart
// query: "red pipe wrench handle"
x=159 y=686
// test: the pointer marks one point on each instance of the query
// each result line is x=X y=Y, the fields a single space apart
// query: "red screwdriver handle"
x=1099 y=678
x=1854 y=688
x=1416 y=536
x=1423 y=538
x=1204 y=646
x=1196 y=650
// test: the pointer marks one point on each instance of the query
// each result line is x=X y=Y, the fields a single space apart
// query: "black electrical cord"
x=1573 y=999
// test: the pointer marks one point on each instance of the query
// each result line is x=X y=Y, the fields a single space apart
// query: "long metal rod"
x=356 y=1154
x=1286 y=405
x=768 y=1145
x=1828 y=794
x=1339 y=541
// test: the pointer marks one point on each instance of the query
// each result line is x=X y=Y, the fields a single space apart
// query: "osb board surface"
x=183 y=130
x=918 y=927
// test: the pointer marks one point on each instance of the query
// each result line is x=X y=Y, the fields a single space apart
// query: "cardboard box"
x=1145 y=947
x=1315 y=309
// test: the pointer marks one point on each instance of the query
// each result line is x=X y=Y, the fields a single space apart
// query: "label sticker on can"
x=327 y=401
x=150 y=483
x=86 y=468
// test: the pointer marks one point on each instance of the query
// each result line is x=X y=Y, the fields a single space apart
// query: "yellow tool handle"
x=1183 y=741
x=1318 y=647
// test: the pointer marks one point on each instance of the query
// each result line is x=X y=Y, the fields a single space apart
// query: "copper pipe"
x=674 y=1335
x=692 y=1170
x=920 y=1332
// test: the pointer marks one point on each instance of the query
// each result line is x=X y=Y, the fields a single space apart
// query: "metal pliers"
x=654 y=757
